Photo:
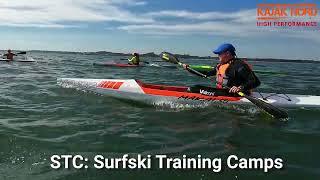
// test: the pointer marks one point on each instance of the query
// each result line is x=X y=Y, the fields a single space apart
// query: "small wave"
x=179 y=106
x=84 y=86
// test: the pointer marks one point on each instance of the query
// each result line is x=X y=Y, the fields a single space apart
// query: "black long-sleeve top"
x=239 y=74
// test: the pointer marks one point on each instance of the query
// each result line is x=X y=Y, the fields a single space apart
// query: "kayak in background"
x=162 y=94
x=116 y=65
x=162 y=66
x=22 y=60
x=123 y=65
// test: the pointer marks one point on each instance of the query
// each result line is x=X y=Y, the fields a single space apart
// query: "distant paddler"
x=135 y=59
x=9 y=55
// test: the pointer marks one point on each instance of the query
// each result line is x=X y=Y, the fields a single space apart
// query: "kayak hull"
x=120 y=65
x=7 y=60
x=116 y=65
x=131 y=89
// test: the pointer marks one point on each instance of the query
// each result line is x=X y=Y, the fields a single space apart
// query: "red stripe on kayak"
x=181 y=92
x=120 y=65
x=102 y=84
x=105 y=84
x=117 y=85
x=163 y=87
x=111 y=84
x=126 y=65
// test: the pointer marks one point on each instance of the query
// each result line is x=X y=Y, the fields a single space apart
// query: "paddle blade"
x=169 y=57
x=23 y=52
x=270 y=109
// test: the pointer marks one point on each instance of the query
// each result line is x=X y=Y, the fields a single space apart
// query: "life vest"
x=134 y=60
x=221 y=77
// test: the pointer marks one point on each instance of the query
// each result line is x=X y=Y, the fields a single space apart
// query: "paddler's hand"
x=185 y=66
x=235 y=89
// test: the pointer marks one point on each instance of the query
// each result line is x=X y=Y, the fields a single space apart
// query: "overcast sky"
x=181 y=26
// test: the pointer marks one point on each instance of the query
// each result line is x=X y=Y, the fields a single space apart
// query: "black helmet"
x=135 y=54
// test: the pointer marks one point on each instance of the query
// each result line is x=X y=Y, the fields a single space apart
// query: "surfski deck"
x=154 y=94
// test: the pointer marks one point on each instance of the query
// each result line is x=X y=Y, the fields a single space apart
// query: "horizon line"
x=69 y=51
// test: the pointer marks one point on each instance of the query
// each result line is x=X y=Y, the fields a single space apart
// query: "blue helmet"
x=225 y=47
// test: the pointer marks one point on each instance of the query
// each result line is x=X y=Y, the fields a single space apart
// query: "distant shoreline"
x=182 y=56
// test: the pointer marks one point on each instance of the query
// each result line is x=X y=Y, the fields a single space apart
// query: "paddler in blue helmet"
x=232 y=73
x=135 y=60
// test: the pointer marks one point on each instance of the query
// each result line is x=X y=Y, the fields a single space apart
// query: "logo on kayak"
x=287 y=15
x=110 y=84
x=207 y=93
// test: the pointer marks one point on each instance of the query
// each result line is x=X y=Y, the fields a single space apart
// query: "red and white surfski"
x=158 y=94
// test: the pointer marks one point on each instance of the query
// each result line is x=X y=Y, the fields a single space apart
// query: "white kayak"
x=18 y=60
x=162 y=94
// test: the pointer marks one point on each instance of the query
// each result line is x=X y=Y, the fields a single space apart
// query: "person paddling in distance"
x=231 y=72
x=9 y=55
x=135 y=60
